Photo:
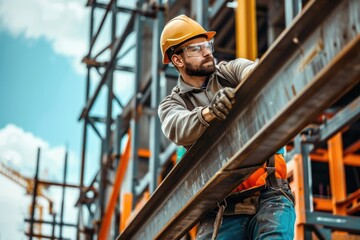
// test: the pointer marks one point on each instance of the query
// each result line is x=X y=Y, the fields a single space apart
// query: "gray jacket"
x=184 y=127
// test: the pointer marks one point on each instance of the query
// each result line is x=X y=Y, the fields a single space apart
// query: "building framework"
x=309 y=66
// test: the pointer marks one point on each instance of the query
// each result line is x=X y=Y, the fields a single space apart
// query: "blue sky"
x=42 y=87
x=42 y=93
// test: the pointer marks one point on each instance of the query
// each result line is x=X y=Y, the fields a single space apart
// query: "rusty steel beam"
x=49 y=183
x=40 y=236
x=51 y=222
x=311 y=65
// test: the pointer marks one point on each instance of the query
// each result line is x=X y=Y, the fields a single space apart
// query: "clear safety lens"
x=197 y=50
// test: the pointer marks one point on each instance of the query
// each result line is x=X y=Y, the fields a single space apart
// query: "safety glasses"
x=197 y=50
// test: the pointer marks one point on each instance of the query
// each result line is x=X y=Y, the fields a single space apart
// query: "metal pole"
x=202 y=13
x=92 y=42
x=102 y=180
x=53 y=227
x=155 y=129
x=292 y=8
x=246 y=35
x=63 y=195
x=34 y=195
x=86 y=121
x=134 y=121
x=117 y=147
x=106 y=141
x=305 y=149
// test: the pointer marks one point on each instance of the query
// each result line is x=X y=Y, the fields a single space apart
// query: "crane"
x=28 y=184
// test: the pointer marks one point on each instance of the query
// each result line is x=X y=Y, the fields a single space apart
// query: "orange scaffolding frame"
x=340 y=203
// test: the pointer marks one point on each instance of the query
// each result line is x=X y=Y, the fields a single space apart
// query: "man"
x=262 y=206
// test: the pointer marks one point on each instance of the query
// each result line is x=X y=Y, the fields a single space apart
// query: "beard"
x=201 y=70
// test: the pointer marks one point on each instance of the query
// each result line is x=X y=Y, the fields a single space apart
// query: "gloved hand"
x=222 y=102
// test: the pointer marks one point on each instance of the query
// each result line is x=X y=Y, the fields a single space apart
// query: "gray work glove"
x=222 y=102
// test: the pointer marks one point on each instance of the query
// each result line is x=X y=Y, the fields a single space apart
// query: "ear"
x=177 y=61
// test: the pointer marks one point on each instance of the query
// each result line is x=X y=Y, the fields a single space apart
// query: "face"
x=197 y=56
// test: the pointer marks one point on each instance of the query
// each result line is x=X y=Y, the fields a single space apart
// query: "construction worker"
x=262 y=207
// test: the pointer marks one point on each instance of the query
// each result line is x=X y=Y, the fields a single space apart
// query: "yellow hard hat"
x=178 y=30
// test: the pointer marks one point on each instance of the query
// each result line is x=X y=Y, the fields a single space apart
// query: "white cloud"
x=63 y=23
x=18 y=150
x=13 y=208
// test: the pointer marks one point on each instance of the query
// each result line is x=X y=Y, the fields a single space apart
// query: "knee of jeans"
x=274 y=219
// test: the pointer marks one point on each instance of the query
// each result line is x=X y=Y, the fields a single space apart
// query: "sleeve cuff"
x=200 y=117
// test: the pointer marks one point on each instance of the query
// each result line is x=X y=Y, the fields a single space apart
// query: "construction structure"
x=304 y=95
x=29 y=185
x=35 y=187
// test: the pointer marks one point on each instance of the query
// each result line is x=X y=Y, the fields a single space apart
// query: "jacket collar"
x=184 y=88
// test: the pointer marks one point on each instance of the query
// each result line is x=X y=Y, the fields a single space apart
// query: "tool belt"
x=246 y=202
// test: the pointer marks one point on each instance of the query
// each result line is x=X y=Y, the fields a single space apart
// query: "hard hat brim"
x=209 y=35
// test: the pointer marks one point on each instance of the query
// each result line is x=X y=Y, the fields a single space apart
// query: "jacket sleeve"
x=236 y=70
x=181 y=126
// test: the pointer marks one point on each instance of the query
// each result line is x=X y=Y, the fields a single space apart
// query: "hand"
x=222 y=102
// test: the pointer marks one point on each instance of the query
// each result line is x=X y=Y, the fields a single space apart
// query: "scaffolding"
x=309 y=62
x=35 y=187
x=327 y=201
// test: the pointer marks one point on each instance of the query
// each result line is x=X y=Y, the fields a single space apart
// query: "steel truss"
x=282 y=95
x=116 y=128
x=323 y=215
x=276 y=101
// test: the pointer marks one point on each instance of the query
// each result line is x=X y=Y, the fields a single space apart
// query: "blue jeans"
x=274 y=219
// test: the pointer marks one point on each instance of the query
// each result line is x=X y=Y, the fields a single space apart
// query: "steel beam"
x=85 y=131
x=134 y=123
x=123 y=9
x=310 y=66
x=335 y=222
x=34 y=194
x=40 y=236
x=163 y=157
x=63 y=195
x=100 y=25
x=117 y=46
x=345 y=117
x=215 y=8
x=155 y=126
x=292 y=8
x=52 y=222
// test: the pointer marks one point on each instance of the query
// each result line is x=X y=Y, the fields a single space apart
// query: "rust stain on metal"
x=293 y=89
x=287 y=93
x=312 y=54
